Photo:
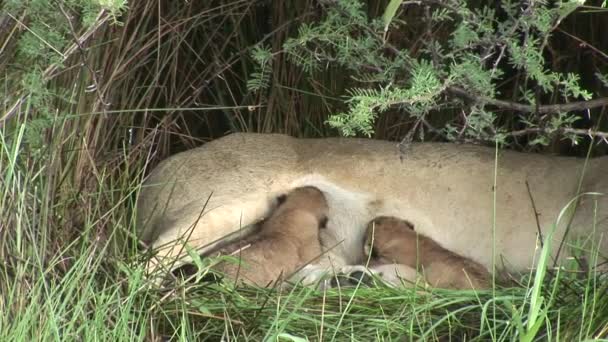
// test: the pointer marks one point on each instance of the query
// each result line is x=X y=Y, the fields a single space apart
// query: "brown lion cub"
x=395 y=241
x=286 y=241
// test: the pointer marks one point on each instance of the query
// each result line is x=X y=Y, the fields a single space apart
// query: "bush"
x=467 y=56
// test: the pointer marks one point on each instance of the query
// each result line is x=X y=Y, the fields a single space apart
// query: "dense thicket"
x=475 y=71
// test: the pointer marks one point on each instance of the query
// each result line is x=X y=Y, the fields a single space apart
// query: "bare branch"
x=566 y=130
x=542 y=109
x=584 y=44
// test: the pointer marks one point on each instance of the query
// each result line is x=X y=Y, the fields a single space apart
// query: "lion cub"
x=286 y=241
x=395 y=241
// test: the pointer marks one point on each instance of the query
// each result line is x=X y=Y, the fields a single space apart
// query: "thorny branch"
x=503 y=104
x=566 y=130
x=83 y=56
x=541 y=109
x=101 y=19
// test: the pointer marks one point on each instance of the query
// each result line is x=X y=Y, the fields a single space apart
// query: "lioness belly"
x=452 y=193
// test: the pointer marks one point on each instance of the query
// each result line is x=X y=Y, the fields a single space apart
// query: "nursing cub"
x=391 y=240
x=286 y=241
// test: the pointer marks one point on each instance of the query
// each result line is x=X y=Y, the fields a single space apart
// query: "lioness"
x=451 y=193
x=285 y=242
x=390 y=240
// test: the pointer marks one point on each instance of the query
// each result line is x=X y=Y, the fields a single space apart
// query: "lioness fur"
x=206 y=193
x=286 y=241
x=392 y=240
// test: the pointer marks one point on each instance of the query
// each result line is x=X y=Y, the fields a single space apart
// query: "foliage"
x=49 y=38
x=260 y=79
x=480 y=47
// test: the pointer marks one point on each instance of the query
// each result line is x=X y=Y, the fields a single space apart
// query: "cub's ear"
x=185 y=271
x=409 y=224
x=281 y=199
x=211 y=277
x=188 y=270
x=369 y=250
x=374 y=253
x=323 y=222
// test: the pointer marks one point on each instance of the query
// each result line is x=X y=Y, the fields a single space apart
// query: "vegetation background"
x=96 y=92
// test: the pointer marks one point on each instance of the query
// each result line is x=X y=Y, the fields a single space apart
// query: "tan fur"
x=445 y=190
x=392 y=240
x=286 y=241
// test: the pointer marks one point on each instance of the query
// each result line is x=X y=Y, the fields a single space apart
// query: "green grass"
x=89 y=283
x=102 y=298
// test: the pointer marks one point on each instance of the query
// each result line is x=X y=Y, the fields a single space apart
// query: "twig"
x=4 y=26
x=584 y=43
x=47 y=44
x=542 y=109
x=409 y=136
x=536 y=214
x=431 y=128
x=102 y=18
x=83 y=56
x=568 y=130
x=443 y=4
x=541 y=238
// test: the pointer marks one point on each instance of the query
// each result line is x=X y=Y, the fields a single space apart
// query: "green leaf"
x=291 y=337
x=389 y=13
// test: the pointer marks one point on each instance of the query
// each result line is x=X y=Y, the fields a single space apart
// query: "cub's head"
x=390 y=240
x=306 y=198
